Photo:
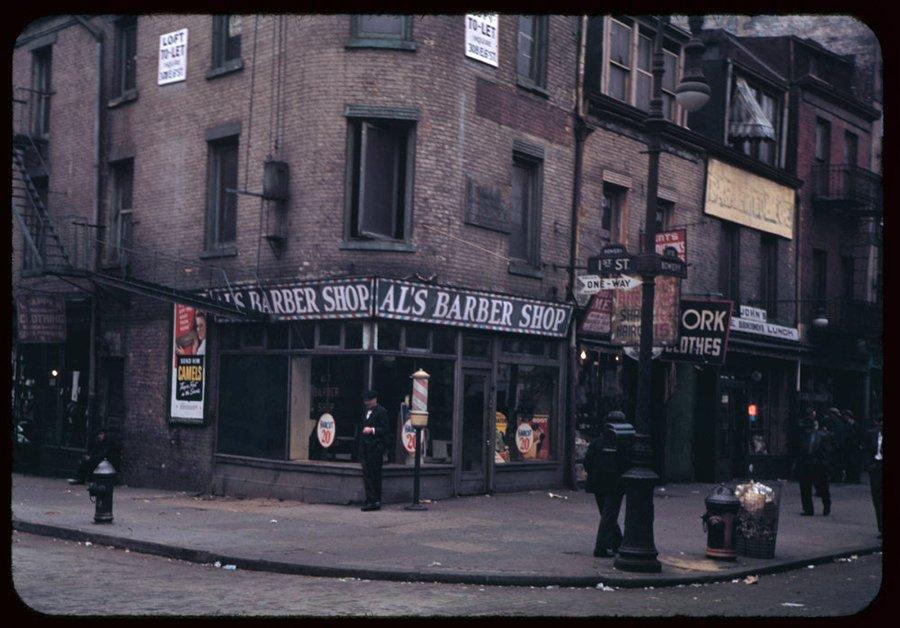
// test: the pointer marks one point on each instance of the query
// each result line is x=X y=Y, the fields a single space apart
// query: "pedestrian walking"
x=876 y=457
x=372 y=443
x=604 y=467
x=100 y=448
x=814 y=448
x=834 y=424
x=853 y=445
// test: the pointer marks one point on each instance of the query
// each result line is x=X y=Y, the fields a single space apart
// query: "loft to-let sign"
x=172 y=57
x=482 y=37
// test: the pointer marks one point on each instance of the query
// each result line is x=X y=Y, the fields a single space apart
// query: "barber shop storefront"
x=287 y=395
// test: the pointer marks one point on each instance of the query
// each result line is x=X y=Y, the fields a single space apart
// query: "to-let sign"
x=325 y=431
x=524 y=437
x=482 y=37
x=172 y=57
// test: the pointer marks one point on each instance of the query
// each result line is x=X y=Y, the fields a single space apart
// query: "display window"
x=525 y=413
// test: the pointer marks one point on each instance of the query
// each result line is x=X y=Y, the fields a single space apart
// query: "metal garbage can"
x=756 y=525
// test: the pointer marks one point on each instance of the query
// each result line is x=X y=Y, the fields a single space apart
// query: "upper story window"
x=823 y=142
x=531 y=51
x=611 y=211
x=379 y=179
x=122 y=206
x=226 y=40
x=754 y=125
x=628 y=60
x=381 y=31
x=221 y=204
x=124 y=80
x=42 y=60
x=851 y=148
x=525 y=217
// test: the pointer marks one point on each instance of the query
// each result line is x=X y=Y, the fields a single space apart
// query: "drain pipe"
x=95 y=313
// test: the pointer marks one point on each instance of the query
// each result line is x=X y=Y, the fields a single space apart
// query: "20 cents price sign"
x=325 y=431
x=409 y=437
x=524 y=437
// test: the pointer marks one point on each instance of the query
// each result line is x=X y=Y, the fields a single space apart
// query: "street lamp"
x=638 y=552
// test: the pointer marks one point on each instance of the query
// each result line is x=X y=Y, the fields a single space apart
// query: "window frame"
x=769 y=273
x=215 y=194
x=126 y=35
x=361 y=39
x=752 y=148
x=221 y=63
x=536 y=79
x=354 y=174
x=41 y=84
x=118 y=171
x=619 y=196
x=535 y=166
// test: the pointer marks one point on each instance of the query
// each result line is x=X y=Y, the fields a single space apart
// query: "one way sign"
x=623 y=282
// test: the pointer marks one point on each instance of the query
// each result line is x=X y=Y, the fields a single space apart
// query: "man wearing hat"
x=813 y=447
x=604 y=480
x=372 y=440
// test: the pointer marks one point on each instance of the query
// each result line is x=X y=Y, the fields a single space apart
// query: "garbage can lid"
x=105 y=468
x=721 y=495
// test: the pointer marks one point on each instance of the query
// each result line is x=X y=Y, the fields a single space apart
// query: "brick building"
x=337 y=201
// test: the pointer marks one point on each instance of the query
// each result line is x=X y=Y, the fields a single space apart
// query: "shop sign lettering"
x=188 y=364
x=408 y=301
x=482 y=37
x=316 y=300
x=704 y=327
x=41 y=318
x=325 y=430
x=762 y=328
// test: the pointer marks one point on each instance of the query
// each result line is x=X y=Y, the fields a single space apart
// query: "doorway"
x=477 y=427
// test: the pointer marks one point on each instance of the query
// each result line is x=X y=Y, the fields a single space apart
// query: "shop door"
x=476 y=428
x=733 y=438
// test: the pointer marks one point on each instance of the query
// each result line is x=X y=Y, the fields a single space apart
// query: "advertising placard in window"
x=188 y=364
x=172 y=57
x=482 y=38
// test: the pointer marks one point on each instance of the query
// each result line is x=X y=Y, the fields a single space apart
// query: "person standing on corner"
x=814 y=449
x=876 y=457
x=604 y=472
x=371 y=448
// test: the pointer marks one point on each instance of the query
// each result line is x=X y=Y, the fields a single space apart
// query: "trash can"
x=756 y=525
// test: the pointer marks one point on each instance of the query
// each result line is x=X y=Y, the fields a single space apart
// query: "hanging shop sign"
x=173 y=49
x=40 y=318
x=703 y=332
x=598 y=316
x=749 y=199
x=188 y=364
x=626 y=314
x=407 y=301
x=482 y=37
x=325 y=430
x=305 y=300
x=763 y=328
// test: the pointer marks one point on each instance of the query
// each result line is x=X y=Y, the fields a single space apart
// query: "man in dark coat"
x=876 y=460
x=604 y=473
x=373 y=439
x=834 y=424
x=853 y=444
x=100 y=448
x=814 y=448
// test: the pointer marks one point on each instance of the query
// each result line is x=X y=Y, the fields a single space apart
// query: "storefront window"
x=476 y=347
x=526 y=403
x=443 y=341
x=388 y=337
x=330 y=334
x=252 y=405
x=336 y=388
x=391 y=378
x=417 y=337
x=302 y=335
x=353 y=336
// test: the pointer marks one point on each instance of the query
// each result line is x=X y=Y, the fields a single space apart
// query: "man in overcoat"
x=604 y=479
x=373 y=439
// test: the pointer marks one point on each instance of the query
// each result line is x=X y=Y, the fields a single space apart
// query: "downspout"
x=580 y=131
x=97 y=34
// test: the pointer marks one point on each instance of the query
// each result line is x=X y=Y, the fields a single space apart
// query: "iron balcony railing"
x=848 y=187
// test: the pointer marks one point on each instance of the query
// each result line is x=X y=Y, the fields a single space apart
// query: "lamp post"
x=638 y=552
x=418 y=417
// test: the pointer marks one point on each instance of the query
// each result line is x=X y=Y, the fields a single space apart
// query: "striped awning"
x=748 y=121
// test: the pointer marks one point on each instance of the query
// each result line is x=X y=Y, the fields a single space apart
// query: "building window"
x=253 y=401
x=769 y=274
x=525 y=413
x=851 y=148
x=381 y=31
x=664 y=211
x=221 y=205
x=42 y=60
x=755 y=121
x=630 y=66
x=380 y=179
x=611 y=211
x=820 y=274
x=525 y=218
x=29 y=262
x=226 y=39
x=122 y=204
x=847 y=273
x=531 y=61
x=126 y=56
x=823 y=142
x=730 y=262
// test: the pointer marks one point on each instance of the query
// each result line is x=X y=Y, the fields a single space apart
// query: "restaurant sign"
x=438 y=305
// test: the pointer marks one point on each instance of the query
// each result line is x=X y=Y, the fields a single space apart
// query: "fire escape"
x=68 y=249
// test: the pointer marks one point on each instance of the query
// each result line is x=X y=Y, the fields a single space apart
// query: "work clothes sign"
x=188 y=364
x=704 y=327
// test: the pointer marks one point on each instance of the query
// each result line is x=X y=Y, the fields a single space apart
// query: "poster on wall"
x=482 y=38
x=172 y=57
x=188 y=364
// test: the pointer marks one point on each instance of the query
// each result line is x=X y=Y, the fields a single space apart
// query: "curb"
x=445 y=577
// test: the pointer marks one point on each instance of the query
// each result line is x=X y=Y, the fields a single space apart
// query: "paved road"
x=61 y=577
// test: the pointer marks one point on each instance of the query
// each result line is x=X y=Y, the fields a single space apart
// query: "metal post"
x=638 y=551
x=415 y=505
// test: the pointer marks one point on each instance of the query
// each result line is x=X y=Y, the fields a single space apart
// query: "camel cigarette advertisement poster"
x=188 y=364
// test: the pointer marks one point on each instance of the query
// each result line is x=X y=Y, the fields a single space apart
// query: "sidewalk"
x=525 y=538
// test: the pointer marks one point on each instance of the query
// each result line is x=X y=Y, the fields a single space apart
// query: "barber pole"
x=420 y=391
x=418 y=417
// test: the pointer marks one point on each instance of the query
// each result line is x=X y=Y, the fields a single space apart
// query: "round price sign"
x=409 y=437
x=325 y=431
x=524 y=437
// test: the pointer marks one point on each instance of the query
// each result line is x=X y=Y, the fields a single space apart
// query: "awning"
x=748 y=120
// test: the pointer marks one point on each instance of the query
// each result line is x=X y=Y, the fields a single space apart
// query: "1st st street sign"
x=613 y=260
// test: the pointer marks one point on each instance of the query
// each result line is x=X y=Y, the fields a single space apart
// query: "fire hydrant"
x=718 y=523
x=101 y=487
